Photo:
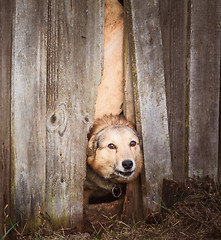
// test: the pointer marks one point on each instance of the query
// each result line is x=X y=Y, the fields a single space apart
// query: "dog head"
x=114 y=149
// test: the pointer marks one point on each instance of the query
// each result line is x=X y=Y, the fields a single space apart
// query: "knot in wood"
x=57 y=121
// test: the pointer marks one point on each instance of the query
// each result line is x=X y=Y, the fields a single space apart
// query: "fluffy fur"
x=114 y=154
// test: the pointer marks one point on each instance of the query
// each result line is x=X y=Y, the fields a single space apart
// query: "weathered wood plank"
x=204 y=87
x=75 y=40
x=28 y=113
x=174 y=35
x=219 y=151
x=133 y=200
x=150 y=98
x=5 y=106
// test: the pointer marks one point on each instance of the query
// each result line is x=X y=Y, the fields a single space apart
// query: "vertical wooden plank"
x=150 y=98
x=204 y=87
x=133 y=206
x=75 y=40
x=219 y=151
x=28 y=110
x=5 y=106
x=174 y=35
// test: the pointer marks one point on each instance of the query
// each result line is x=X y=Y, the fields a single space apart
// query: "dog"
x=114 y=156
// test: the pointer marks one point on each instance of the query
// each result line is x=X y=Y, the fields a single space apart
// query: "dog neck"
x=95 y=182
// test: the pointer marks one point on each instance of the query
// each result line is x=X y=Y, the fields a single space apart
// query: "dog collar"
x=94 y=181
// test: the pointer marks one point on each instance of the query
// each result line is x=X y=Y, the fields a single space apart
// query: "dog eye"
x=111 y=146
x=133 y=143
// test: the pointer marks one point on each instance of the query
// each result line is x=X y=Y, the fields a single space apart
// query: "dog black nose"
x=127 y=164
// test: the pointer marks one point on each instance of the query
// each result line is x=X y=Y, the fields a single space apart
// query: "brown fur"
x=106 y=121
x=106 y=166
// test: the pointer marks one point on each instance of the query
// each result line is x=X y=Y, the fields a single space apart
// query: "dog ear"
x=92 y=145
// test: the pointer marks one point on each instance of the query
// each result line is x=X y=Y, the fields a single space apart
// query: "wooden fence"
x=51 y=63
x=47 y=73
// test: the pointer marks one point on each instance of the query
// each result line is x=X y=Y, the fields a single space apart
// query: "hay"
x=196 y=216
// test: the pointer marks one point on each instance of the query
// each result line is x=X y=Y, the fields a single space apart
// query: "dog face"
x=115 y=153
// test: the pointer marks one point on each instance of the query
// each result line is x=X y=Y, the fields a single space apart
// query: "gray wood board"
x=56 y=68
x=75 y=41
x=28 y=111
x=204 y=88
x=150 y=96
x=5 y=107
x=133 y=200
x=174 y=35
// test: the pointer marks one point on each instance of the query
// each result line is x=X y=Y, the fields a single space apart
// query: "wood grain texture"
x=5 y=106
x=28 y=113
x=204 y=87
x=56 y=68
x=174 y=35
x=150 y=96
x=219 y=151
x=133 y=206
x=75 y=40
